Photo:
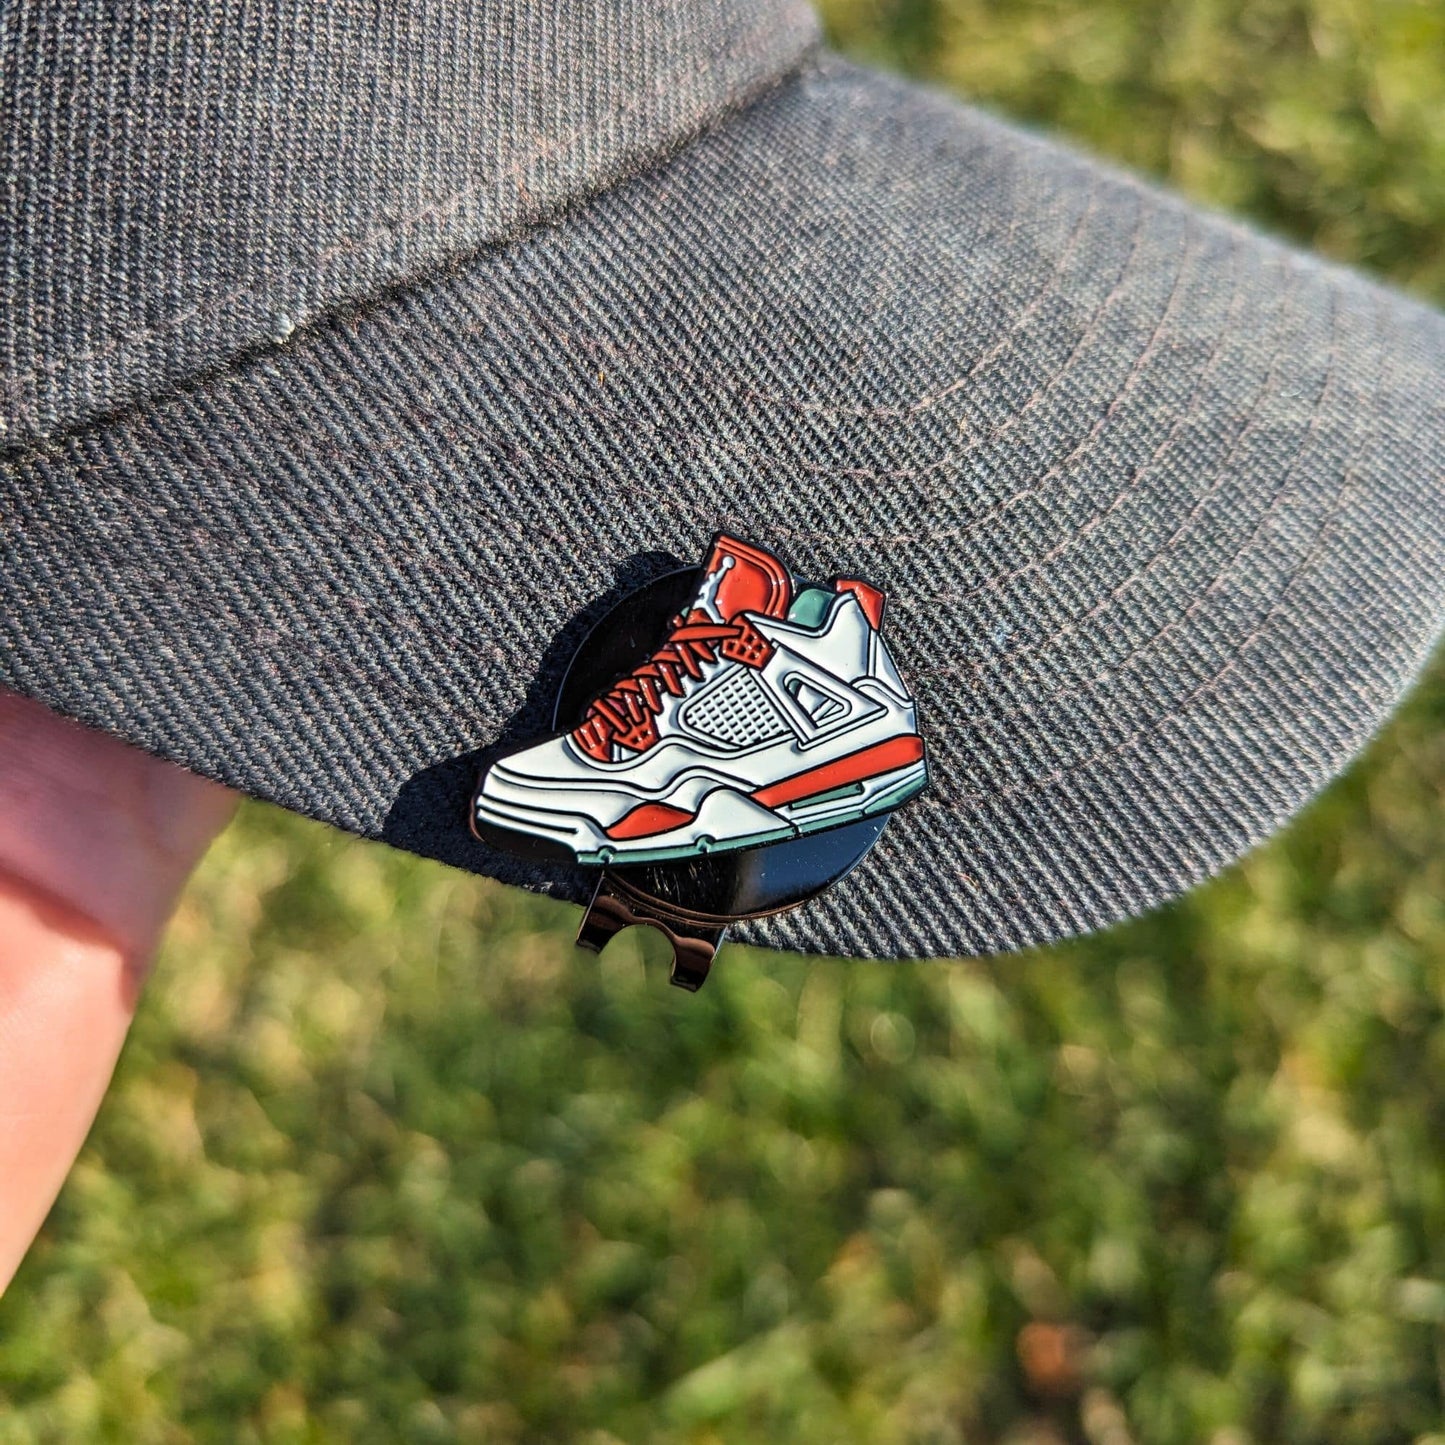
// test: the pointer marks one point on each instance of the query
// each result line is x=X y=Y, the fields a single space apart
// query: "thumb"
x=96 y=841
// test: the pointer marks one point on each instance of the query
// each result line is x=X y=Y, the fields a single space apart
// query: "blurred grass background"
x=387 y=1160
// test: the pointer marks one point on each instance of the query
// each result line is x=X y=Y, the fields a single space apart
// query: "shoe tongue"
x=739 y=578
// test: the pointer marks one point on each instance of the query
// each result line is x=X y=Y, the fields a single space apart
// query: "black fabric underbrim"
x=1157 y=504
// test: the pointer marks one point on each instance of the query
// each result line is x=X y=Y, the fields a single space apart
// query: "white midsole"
x=723 y=814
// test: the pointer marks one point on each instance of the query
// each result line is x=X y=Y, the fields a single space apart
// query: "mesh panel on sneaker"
x=735 y=710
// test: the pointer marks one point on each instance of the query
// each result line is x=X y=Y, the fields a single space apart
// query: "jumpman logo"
x=707 y=596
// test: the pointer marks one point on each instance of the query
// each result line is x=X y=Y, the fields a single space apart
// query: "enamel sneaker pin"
x=731 y=742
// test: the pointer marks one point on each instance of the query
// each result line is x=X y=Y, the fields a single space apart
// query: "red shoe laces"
x=634 y=700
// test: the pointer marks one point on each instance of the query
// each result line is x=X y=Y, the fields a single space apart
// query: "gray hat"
x=356 y=358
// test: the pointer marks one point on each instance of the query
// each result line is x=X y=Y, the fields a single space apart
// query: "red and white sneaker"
x=770 y=711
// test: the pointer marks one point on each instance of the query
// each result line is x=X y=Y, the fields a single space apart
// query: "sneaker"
x=770 y=711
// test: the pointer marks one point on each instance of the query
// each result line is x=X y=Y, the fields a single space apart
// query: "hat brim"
x=1156 y=502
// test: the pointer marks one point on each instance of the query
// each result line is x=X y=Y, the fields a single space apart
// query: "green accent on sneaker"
x=848 y=790
x=810 y=606
x=900 y=794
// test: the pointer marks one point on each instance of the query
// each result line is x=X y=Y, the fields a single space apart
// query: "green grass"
x=387 y=1159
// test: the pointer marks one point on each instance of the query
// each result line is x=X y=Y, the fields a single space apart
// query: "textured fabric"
x=183 y=181
x=1157 y=504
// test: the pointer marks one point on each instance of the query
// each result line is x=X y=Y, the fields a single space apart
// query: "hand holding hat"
x=96 y=839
